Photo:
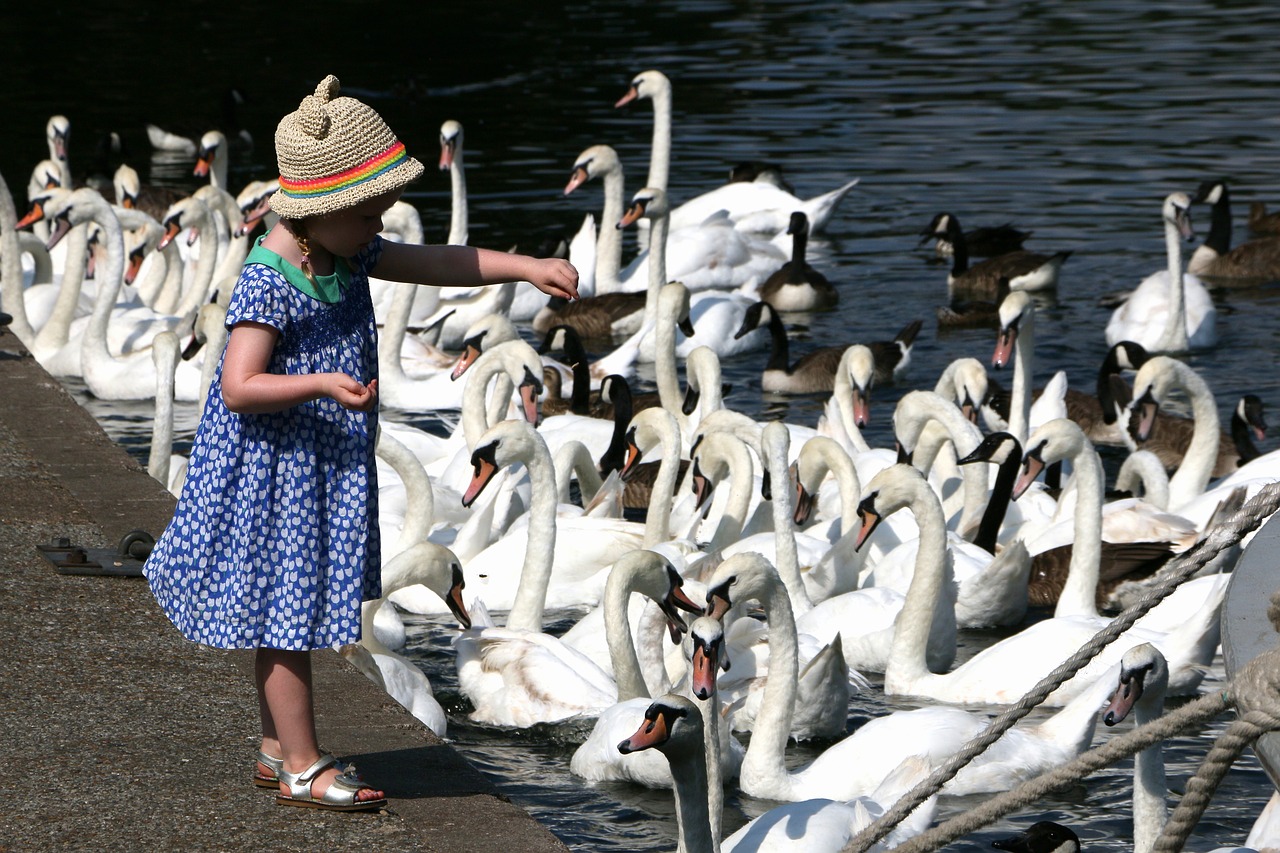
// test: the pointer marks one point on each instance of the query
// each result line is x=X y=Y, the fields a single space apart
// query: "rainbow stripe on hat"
x=366 y=171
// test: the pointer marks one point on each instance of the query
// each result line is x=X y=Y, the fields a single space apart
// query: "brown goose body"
x=595 y=317
x=797 y=286
x=1022 y=269
x=1252 y=262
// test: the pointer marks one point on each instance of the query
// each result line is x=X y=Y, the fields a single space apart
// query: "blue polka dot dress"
x=275 y=539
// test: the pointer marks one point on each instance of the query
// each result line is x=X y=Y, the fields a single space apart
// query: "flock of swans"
x=778 y=563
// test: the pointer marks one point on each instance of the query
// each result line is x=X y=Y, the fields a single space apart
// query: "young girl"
x=274 y=543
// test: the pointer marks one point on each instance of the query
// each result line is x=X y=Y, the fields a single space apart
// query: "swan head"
x=43 y=203
x=67 y=210
x=450 y=144
x=1177 y=213
x=213 y=148
x=646 y=430
x=503 y=444
x=858 y=365
x=970 y=382
x=57 y=131
x=591 y=163
x=522 y=364
x=890 y=490
x=127 y=185
x=672 y=722
x=652 y=575
x=647 y=203
x=741 y=578
x=707 y=638
x=254 y=202
x=673 y=303
x=1016 y=309
x=717 y=455
x=489 y=330
x=435 y=567
x=189 y=212
x=1143 y=670
x=1043 y=837
x=1057 y=439
x=646 y=84
x=1156 y=379
x=810 y=469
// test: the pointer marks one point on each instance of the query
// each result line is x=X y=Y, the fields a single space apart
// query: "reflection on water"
x=1072 y=120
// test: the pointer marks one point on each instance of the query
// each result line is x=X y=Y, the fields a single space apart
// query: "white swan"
x=752 y=206
x=132 y=377
x=162 y=464
x=438 y=569
x=518 y=676
x=1005 y=671
x=749 y=577
x=576 y=553
x=1151 y=387
x=1171 y=310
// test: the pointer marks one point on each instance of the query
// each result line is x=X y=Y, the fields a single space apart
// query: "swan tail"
x=821 y=208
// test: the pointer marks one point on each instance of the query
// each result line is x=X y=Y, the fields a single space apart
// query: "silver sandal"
x=275 y=764
x=339 y=796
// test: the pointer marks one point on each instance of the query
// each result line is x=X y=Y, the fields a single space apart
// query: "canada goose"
x=758 y=170
x=974 y=313
x=1253 y=261
x=1042 y=837
x=797 y=286
x=1261 y=222
x=984 y=242
x=1170 y=437
x=564 y=339
x=815 y=372
x=1024 y=270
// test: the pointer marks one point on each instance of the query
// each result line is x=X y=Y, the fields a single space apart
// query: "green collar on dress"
x=326 y=288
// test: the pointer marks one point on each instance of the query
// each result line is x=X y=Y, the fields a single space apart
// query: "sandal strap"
x=271 y=761
x=300 y=783
x=342 y=792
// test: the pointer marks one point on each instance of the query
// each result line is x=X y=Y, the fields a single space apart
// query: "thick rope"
x=1189 y=716
x=1256 y=692
x=1222 y=536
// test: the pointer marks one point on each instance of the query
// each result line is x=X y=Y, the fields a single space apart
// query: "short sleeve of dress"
x=258 y=298
x=368 y=257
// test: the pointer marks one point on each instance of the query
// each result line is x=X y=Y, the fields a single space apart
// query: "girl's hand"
x=555 y=277
x=351 y=394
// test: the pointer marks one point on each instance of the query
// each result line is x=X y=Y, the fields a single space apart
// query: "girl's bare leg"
x=288 y=717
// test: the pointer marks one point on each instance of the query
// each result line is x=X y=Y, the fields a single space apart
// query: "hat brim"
x=293 y=207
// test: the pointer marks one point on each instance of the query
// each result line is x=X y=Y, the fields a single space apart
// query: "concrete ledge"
x=121 y=735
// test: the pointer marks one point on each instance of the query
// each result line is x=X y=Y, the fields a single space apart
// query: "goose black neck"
x=959 y=248
x=998 y=503
x=615 y=454
x=799 y=241
x=1219 y=238
x=779 y=349
x=1243 y=442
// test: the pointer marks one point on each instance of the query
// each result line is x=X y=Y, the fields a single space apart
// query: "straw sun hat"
x=334 y=153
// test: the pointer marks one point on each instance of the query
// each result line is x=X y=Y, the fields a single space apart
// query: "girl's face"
x=346 y=232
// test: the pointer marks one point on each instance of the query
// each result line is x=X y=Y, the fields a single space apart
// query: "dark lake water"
x=1073 y=120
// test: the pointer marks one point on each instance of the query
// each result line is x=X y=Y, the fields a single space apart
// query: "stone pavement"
x=121 y=735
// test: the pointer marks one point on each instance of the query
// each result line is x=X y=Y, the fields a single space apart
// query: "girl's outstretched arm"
x=466 y=266
x=247 y=387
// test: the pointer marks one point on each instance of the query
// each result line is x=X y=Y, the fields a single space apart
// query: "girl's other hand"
x=555 y=277
x=353 y=395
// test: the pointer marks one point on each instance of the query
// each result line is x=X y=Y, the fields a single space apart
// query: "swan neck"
x=57 y=329
x=459 y=224
x=1079 y=592
x=1193 y=474
x=1174 y=338
x=784 y=534
x=765 y=760
x=657 y=524
x=609 y=243
x=660 y=156
x=535 y=576
x=617 y=632
x=1020 y=399
x=911 y=634
x=658 y=229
